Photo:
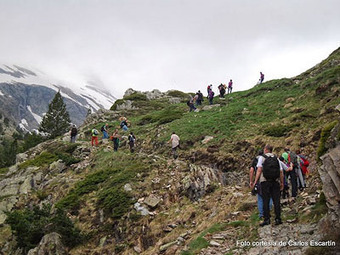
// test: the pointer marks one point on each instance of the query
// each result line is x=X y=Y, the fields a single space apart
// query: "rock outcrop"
x=50 y=244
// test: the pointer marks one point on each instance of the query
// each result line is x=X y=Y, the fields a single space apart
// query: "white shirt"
x=174 y=140
x=260 y=164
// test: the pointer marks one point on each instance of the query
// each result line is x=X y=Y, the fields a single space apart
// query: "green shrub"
x=115 y=200
x=67 y=159
x=116 y=103
x=325 y=133
x=136 y=97
x=44 y=159
x=169 y=115
x=29 y=226
x=277 y=130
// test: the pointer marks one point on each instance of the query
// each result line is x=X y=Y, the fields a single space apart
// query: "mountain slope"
x=148 y=203
x=25 y=95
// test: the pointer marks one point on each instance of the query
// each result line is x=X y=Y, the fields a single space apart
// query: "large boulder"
x=50 y=244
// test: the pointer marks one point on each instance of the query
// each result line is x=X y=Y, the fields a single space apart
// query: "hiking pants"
x=115 y=144
x=105 y=135
x=271 y=189
x=73 y=139
x=293 y=181
x=132 y=145
x=174 y=152
x=95 y=140
x=192 y=107
x=211 y=100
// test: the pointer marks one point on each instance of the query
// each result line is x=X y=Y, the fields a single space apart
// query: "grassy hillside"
x=197 y=195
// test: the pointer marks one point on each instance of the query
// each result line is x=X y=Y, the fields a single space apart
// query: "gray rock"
x=57 y=166
x=152 y=201
x=127 y=187
x=166 y=246
x=139 y=208
x=50 y=244
x=207 y=139
x=209 y=107
x=26 y=187
x=21 y=157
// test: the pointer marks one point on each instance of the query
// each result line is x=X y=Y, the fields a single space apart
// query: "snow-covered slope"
x=96 y=97
x=26 y=93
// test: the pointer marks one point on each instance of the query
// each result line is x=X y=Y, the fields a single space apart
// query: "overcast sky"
x=168 y=44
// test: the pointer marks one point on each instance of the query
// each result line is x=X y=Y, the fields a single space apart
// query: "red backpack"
x=304 y=164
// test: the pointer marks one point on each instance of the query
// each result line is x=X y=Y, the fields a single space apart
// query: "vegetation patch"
x=317 y=211
x=325 y=133
x=29 y=226
x=177 y=93
x=44 y=159
x=278 y=130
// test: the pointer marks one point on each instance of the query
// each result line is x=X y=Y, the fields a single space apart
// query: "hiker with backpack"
x=199 y=99
x=230 y=86
x=74 y=132
x=124 y=123
x=257 y=186
x=209 y=88
x=115 y=139
x=132 y=141
x=211 y=96
x=261 y=78
x=270 y=175
x=94 y=138
x=104 y=130
x=191 y=105
x=291 y=158
x=174 y=140
x=221 y=88
x=286 y=168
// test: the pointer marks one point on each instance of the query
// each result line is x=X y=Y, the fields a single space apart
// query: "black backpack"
x=292 y=158
x=271 y=168
x=102 y=129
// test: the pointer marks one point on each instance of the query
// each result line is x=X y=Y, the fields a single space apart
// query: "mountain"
x=25 y=95
x=65 y=198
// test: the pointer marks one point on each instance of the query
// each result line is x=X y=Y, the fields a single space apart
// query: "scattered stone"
x=238 y=194
x=143 y=211
x=127 y=187
x=214 y=243
x=21 y=157
x=137 y=249
x=49 y=244
x=166 y=246
x=103 y=241
x=207 y=139
x=152 y=201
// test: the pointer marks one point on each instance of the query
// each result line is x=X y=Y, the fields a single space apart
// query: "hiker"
x=199 y=99
x=124 y=124
x=304 y=163
x=74 y=132
x=211 y=96
x=132 y=140
x=104 y=129
x=174 y=139
x=94 y=138
x=261 y=77
x=115 y=139
x=230 y=86
x=221 y=88
x=292 y=174
x=270 y=175
x=286 y=168
x=209 y=88
x=191 y=105
x=301 y=181
x=257 y=186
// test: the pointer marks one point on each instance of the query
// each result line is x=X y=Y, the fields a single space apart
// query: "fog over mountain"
x=168 y=44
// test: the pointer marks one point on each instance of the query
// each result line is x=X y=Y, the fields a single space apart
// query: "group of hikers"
x=271 y=178
x=197 y=100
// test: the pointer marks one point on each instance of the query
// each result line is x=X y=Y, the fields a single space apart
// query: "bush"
x=29 y=226
x=116 y=103
x=325 y=133
x=136 y=97
x=44 y=159
x=277 y=131
x=67 y=159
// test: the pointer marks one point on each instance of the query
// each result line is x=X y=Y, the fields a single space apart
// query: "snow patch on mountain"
x=95 y=97
x=37 y=117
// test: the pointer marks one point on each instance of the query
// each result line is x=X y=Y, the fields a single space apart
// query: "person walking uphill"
x=211 y=97
x=270 y=175
x=104 y=129
x=174 y=139
x=261 y=77
x=230 y=86
x=132 y=141
x=115 y=139
x=74 y=132
x=94 y=138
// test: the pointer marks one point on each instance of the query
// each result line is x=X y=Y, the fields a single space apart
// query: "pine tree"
x=57 y=120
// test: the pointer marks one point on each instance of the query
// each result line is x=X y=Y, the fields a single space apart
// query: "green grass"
x=325 y=133
x=44 y=159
